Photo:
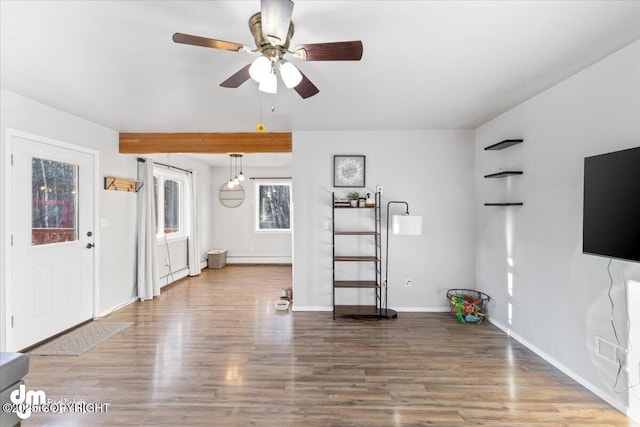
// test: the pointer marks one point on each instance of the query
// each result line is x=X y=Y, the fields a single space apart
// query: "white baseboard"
x=177 y=275
x=259 y=260
x=295 y=307
x=421 y=309
x=398 y=309
x=163 y=280
x=602 y=394
x=108 y=311
x=203 y=264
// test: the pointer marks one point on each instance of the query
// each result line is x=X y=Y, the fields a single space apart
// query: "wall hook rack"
x=122 y=184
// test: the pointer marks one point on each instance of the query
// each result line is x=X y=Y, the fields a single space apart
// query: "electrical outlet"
x=607 y=350
x=407 y=283
x=379 y=189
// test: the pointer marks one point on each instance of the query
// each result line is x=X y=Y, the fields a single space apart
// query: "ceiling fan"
x=272 y=30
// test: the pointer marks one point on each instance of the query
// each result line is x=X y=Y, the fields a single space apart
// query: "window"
x=171 y=206
x=169 y=192
x=273 y=202
x=53 y=202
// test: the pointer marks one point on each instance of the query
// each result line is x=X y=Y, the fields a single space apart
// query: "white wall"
x=117 y=214
x=233 y=228
x=559 y=297
x=431 y=170
x=117 y=210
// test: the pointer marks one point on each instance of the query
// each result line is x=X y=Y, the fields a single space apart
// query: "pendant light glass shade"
x=291 y=76
x=260 y=69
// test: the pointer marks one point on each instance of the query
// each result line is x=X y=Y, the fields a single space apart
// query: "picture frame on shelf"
x=349 y=171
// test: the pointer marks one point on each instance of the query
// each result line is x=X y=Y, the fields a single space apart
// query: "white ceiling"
x=426 y=64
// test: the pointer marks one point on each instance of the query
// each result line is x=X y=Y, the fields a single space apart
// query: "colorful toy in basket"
x=468 y=306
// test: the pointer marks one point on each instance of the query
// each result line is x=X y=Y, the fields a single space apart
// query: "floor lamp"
x=408 y=225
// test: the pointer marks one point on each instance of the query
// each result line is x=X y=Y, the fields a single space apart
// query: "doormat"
x=81 y=340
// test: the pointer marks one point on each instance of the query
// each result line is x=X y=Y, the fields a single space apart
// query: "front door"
x=52 y=256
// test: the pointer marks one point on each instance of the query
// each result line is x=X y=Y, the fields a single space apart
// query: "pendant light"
x=230 y=184
x=234 y=177
x=241 y=175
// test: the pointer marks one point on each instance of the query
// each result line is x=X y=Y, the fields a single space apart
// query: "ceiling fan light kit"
x=260 y=68
x=290 y=75
x=269 y=83
x=272 y=30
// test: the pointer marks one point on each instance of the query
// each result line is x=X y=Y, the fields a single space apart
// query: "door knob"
x=89 y=234
x=90 y=245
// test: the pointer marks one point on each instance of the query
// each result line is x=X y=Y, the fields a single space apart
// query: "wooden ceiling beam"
x=214 y=143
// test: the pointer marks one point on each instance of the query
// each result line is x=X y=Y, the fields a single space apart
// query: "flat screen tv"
x=611 y=216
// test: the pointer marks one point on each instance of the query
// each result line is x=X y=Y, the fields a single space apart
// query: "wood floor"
x=213 y=351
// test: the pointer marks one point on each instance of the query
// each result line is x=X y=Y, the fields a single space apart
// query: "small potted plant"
x=353 y=199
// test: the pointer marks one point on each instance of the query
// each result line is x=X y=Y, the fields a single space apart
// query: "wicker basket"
x=468 y=305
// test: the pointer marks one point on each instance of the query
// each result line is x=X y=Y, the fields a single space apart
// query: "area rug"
x=81 y=340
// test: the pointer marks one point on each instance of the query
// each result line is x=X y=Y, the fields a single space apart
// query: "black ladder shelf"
x=372 y=283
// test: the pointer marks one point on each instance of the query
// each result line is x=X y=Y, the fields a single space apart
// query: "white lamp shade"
x=410 y=225
x=269 y=84
x=260 y=68
x=291 y=76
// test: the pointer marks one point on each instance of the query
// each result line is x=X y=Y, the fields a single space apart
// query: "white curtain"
x=148 y=280
x=193 y=247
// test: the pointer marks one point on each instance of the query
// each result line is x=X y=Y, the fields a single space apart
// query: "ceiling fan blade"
x=305 y=88
x=238 y=78
x=335 y=51
x=206 y=42
x=276 y=18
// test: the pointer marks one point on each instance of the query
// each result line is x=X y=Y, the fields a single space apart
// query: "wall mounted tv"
x=611 y=216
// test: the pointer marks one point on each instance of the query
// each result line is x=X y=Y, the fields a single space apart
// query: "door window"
x=54 y=201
